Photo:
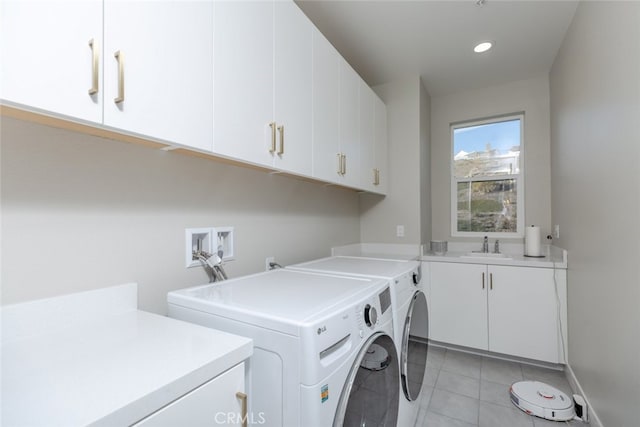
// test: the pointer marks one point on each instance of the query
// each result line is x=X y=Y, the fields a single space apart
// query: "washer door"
x=414 y=350
x=370 y=396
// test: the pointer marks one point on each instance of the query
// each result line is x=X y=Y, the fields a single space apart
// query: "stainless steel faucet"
x=496 y=247
x=485 y=245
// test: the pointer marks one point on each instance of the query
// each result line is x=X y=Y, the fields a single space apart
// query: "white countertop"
x=103 y=366
x=554 y=257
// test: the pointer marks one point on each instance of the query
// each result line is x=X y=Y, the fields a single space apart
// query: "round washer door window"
x=414 y=350
x=371 y=393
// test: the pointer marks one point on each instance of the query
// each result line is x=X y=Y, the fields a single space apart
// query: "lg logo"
x=322 y=329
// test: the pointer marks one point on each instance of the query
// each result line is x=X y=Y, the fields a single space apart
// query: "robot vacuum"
x=542 y=400
x=376 y=358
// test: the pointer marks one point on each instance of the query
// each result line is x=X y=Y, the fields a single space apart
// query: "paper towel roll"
x=532 y=241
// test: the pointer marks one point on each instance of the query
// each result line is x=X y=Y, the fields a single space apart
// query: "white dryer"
x=323 y=348
x=410 y=315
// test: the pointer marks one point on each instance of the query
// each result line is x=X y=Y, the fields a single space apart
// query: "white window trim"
x=519 y=181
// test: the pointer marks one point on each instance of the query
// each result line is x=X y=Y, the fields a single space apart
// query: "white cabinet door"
x=349 y=127
x=213 y=403
x=459 y=304
x=523 y=316
x=367 y=138
x=166 y=52
x=326 y=116
x=381 y=146
x=262 y=84
x=243 y=80
x=47 y=62
x=293 y=84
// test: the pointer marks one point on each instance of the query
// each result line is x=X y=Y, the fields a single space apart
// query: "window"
x=487 y=182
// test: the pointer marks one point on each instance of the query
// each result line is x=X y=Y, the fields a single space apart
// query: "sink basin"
x=485 y=255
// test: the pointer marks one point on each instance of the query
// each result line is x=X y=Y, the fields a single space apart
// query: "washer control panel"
x=374 y=311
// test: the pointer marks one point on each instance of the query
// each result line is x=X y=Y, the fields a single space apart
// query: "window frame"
x=519 y=178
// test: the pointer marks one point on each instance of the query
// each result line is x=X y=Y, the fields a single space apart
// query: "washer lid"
x=284 y=300
x=365 y=267
x=542 y=395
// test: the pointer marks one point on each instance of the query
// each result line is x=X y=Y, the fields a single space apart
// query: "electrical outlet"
x=399 y=230
x=556 y=231
x=267 y=262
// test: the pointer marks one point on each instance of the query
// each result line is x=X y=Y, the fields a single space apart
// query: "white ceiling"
x=386 y=40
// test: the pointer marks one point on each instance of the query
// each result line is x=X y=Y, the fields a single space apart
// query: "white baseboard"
x=594 y=421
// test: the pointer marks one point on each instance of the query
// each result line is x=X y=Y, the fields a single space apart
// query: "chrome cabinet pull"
x=344 y=164
x=120 y=98
x=95 y=64
x=491 y=281
x=482 y=280
x=243 y=398
x=281 y=130
x=339 y=155
x=273 y=137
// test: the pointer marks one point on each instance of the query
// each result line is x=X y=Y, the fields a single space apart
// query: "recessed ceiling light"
x=483 y=47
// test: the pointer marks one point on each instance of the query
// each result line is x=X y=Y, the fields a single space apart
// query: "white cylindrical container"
x=532 y=245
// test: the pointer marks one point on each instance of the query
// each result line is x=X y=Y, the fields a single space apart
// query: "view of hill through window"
x=486 y=169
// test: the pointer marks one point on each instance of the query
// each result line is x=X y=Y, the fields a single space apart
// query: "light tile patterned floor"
x=464 y=390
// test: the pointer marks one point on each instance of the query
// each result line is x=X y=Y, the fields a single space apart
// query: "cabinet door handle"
x=273 y=137
x=243 y=398
x=95 y=64
x=377 y=176
x=339 y=155
x=281 y=130
x=344 y=164
x=482 y=280
x=491 y=281
x=120 y=98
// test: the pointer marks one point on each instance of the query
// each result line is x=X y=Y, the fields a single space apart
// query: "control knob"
x=417 y=276
x=370 y=315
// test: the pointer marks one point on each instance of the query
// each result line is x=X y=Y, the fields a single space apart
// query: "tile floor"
x=464 y=390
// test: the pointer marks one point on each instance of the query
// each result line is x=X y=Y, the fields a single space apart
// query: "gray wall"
x=595 y=114
x=380 y=215
x=530 y=96
x=80 y=212
x=425 y=165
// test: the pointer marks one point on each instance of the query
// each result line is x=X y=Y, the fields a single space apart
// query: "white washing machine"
x=323 y=345
x=410 y=317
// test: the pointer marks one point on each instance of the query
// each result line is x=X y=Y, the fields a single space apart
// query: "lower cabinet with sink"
x=512 y=310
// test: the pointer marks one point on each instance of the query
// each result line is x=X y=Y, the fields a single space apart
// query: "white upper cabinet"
x=262 y=84
x=51 y=52
x=349 y=125
x=243 y=81
x=158 y=65
x=252 y=81
x=367 y=138
x=293 y=84
x=373 y=141
x=350 y=140
x=326 y=114
x=381 y=158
